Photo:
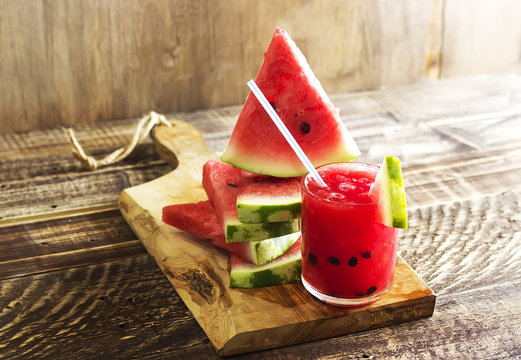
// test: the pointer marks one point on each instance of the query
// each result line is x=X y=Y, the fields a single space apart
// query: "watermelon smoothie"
x=348 y=258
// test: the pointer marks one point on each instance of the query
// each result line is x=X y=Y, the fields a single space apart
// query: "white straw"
x=284 y=130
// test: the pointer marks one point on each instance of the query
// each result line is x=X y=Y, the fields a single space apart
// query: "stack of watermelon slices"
x=265 y=247
x=254 y=192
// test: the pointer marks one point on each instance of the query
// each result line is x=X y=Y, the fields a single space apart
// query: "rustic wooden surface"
x=77 y=283
x=73 y=62
x=244 y=320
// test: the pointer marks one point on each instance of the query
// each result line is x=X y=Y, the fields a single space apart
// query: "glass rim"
x=304 y=187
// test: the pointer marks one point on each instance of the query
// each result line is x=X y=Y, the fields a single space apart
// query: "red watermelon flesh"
x=287 y=81
x=199 y=219
x=220 y=181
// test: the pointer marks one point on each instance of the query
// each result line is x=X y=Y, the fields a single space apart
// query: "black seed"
x=366 y=254
x=371 y=290
x=312 y=259
x=304 y=127
x=353 y=261
x=333 y=260
x=232 y=185
x=273 y=106
x=359 y=294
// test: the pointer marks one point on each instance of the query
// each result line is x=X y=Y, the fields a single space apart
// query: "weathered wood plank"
x=181 y=55
x=27 y=155
x=127 y=307
x=71 y=241
x=119 y=308
x=79 y=191
x=464 y=179
x=464 y=245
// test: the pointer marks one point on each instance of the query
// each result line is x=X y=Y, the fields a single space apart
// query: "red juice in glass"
x=348 y=258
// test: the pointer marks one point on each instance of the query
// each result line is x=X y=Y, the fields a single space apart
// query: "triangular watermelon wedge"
x=287 y=81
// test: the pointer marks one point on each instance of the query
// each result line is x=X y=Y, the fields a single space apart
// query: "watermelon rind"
x=267 y=250
x=283 y=270
x=390 y=191
x=262 y=199
x=250 y=212
x=237 y=231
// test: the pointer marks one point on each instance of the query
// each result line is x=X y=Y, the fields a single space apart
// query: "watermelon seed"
x=366 y=254
x=359 y=294
x=304 y=127
x=312 y=259
x=371 y=290
x=353 y=261
x=333 y=260
x=273 y=106
x=232 y=185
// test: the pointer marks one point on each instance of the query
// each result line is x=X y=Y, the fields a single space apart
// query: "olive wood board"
x=244 y=320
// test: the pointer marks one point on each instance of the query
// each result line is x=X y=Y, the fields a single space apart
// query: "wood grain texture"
x=65 y=242
x=125 y=307
x=79 y=313
x=77 y=62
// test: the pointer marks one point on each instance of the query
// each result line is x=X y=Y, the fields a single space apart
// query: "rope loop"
x=144 y=126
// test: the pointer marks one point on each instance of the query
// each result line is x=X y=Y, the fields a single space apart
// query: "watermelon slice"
x=199 y=219
x=264 y=198
x=287 y=81
x=220 y=181
x=258 y=252
x=389 y=191
x=283 y=270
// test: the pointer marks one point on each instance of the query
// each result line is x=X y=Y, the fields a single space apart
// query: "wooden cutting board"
x=243 y=320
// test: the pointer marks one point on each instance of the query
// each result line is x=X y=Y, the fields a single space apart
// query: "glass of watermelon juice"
x=348 y=257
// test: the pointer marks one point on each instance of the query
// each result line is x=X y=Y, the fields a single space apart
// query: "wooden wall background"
x=64 y=62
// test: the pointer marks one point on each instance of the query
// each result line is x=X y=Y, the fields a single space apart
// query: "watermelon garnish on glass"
x=199 y=219
x=287 y=81
x=388 y=190
x=220 y=181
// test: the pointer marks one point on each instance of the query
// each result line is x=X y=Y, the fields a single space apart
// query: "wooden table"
x=77 y=283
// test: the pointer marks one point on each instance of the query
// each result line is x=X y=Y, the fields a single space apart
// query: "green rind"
x=266 y=250
x=250 y=213
x=391 y=193
x=234 y=156
x=274 y=273
x=239 y=232
x=397 y=192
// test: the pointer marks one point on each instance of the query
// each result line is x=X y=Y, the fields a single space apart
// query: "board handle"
x=181 y=143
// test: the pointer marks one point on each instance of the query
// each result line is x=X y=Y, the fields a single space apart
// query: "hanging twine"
x=145 y=125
